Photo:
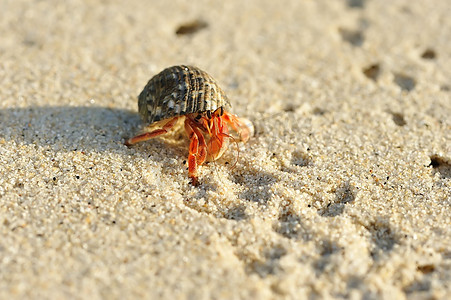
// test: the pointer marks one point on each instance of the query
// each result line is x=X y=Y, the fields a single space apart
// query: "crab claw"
x=242 y=126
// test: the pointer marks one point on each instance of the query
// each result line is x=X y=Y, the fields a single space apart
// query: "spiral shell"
x=178 y=91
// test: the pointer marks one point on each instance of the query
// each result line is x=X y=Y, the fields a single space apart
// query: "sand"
x=343 y=192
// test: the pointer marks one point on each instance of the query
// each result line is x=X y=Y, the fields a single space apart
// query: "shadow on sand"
x=87 y=128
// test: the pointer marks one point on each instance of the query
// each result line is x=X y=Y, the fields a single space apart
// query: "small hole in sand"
x=441 y=165
x=445 y=88
x=428 y=54
x=405 y=82
x=356 y=3
x=191 y=27
x=289 y=108
x=319 y=111
x=372 y=71
x=398 y=119
x=437 y=161
x=426 y=269
x=353 y=37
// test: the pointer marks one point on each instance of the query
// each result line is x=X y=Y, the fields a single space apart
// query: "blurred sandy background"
x=344 y=191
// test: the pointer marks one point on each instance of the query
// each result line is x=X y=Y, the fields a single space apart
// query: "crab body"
x=190 y=93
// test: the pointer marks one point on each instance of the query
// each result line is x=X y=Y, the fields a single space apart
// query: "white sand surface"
x=343 y=192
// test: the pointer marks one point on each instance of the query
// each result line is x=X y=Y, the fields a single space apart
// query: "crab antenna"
x=237 y=148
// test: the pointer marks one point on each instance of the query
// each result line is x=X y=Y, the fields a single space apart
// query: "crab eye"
x=198 y=117
x=209 y=114
x=219 y=112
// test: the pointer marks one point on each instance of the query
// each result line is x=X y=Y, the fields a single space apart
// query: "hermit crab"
x=190 y=93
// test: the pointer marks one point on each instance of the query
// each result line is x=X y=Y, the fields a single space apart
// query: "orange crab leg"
x=197 y=149
x=149 y=135
x=216 y=145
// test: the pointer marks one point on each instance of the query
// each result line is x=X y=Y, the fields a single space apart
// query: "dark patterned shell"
x=177 y=91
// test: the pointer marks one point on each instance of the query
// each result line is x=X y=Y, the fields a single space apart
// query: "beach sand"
x=343 y=192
